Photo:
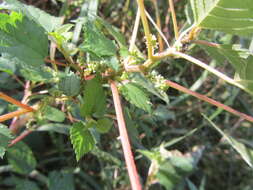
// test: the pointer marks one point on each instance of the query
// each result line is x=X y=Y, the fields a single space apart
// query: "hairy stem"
x=20 y=137
x=131 y=167
x=209 y=100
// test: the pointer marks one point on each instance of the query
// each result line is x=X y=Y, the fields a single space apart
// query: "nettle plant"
x=99 y=65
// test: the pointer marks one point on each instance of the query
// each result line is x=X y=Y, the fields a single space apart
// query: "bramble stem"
x=20 y=137
x=131 y=168
x=13 y=114
x=209 y=100
x=146 y=28
x=13 y=101
x=211 y=70
x=174 y=18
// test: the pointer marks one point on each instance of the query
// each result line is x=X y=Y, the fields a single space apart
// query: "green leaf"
x=55 y=127
x=149 y=86
x=5 y=137
x=70 y=85
x=21 y=158
x=81 y=139
x=48 y=22
x=21 y=41
x=246 y=154
x=136 y=95
x=96 y=43
x=114 y=32
x=53 y=114
x=36 y=73
x=170 y=168
x=94 y=99
x=240 y=59
x=104 y=125
x=231 y=16
x=61 y=180
x=7 y=64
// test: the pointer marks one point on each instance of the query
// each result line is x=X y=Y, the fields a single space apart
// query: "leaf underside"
x=230 y=16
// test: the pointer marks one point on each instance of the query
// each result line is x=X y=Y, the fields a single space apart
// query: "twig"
x=20 y=137
x=146 y=28
x=159 y=25
x=211 y=70
x=13 y=101
x=209 y=100
x=206 y=43
x=132 y=171
x=174 y=18
x=13 y=114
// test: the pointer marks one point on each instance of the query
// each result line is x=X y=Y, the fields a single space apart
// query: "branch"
x=146 y=28
x=174 y=18
x=211 y=70
x=13 y=114
x=132 y=171
x=13 y=101
x=20 y=137
x=209 y=100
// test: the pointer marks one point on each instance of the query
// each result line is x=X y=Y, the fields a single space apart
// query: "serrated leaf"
x=96 y=43
x=94 y=99
x=21 y=158
x=136 y=95
x=21 y=42
x=103 y=125
x=53 y=114
x=48 y=22
x=231 y=16
x=245 y=153
x=149 y=86
x=81 y=139
x=61 y=180
x=5 y=137
x=70 y=85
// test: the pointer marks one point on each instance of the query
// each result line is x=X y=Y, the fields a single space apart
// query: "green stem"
x=146 y=28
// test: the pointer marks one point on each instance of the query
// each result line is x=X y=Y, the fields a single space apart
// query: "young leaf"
x=48 y=22
x=96 y=43
x=231 y=16
x=21 y=41
x=103 y=125
x=136 y=95
x=21 y=158
x=70 y=85
x=53 y=114
x=94 y=99
x=81 y=139
x=5 y=137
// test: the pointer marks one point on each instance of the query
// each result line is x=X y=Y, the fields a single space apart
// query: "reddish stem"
x=13 y=101
x=131 y=167
x=209 y=100
x=13 y=114
x=20 y=137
